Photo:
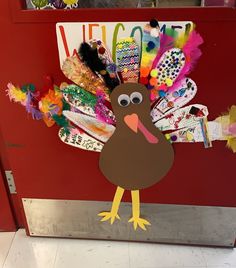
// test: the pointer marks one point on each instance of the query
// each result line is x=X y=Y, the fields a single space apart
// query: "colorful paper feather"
x=89 y=55
x=77 y=71
x=167 y=58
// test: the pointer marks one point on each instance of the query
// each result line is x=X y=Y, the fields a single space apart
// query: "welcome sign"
x=71 y=35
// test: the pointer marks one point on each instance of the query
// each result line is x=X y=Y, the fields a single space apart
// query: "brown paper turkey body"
x=137 y=155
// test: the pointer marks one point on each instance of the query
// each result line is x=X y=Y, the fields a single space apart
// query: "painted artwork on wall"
x=128 y=100
x=52 y=4
x=73 y=4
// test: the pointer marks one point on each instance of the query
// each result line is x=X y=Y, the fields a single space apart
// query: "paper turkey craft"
x=133 y=169
x=148 y=89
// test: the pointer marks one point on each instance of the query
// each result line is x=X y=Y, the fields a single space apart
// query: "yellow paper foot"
x=139 y=222
x=109 y=216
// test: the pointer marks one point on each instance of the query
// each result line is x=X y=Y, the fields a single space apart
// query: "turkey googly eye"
x=136 y=98
x=123 y=100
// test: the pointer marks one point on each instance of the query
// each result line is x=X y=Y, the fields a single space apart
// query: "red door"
x=44 y=167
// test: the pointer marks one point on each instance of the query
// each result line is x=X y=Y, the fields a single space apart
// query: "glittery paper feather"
x=89 y=55
x=81 y=75
x=88 y=104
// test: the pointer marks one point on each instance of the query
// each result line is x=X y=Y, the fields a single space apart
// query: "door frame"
x=7 y=221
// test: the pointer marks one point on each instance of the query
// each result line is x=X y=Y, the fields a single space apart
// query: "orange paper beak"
x=132 y=122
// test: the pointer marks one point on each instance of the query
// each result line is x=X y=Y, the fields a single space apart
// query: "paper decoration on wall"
x=52 y=4
x=227 y=126
x=70 y=35
x=77 y=138
x=105 y=56
x=198 y=132
x=150 y=47
x=129 y=132
x=134 y=169
x=127 y=54
x=168 y=102
x=183 y=117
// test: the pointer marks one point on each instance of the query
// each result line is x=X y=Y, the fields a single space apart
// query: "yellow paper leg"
x=113 y=214
x=137 y=221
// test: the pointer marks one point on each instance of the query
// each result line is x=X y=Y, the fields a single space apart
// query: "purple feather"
x=36 y=114
x=59 y=4
x=28 y=102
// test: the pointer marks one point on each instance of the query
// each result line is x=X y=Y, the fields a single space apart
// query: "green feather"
x=61 y=120
x=66 y=105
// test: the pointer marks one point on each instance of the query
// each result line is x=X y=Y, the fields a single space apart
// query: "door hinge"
x=10 y=181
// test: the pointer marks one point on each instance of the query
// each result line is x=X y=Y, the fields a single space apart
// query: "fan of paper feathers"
x=162 y=64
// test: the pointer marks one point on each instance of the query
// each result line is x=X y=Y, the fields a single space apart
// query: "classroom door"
x=55 y=180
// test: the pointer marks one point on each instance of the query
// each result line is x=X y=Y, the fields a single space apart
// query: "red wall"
x=44 y=167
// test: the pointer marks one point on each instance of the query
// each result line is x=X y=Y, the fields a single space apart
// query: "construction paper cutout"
x=87 y=103
x=189 y=134
x=132 y=122
x=127 y=53
x=201 y=132
x=80 y=99
x=80 y=74
x=132 y=169
x=135 y=219
x=150 y=47
x=215 y=132
x=169 y=66
x=113 y=214
x=97 y=129
x=77 y=138
x=174 y=100
x=188 y=116
x=147 y=134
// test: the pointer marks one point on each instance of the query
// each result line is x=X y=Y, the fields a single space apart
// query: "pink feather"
x=102 y=112
x=192 y=54
x=166 y=43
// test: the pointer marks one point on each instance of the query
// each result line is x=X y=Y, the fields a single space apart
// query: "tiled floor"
x=19 y=251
